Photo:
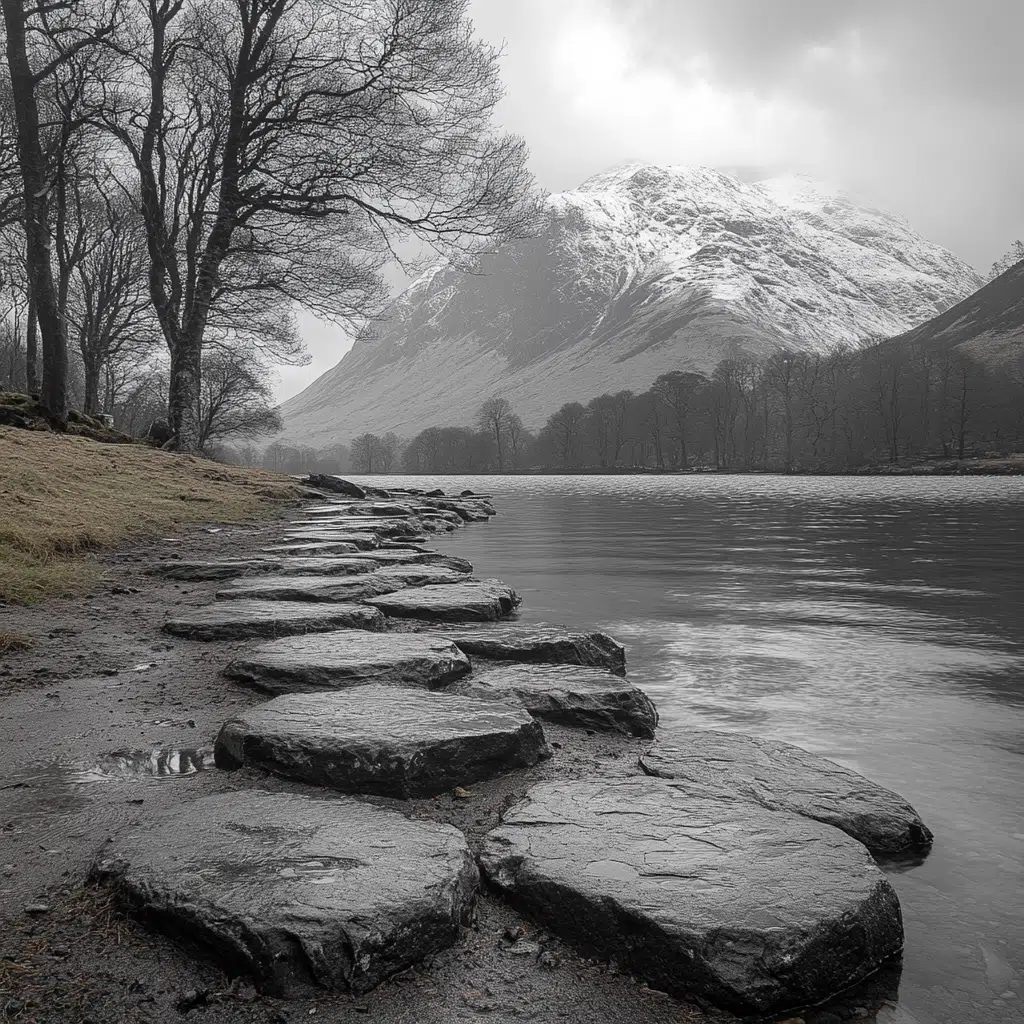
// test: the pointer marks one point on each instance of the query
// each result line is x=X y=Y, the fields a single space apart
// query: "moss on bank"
x=62 y=496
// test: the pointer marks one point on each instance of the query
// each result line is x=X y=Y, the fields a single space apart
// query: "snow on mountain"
x=1012 y=256
x=638 y=271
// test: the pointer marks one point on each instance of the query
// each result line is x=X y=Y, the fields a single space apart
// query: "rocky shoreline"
x=409 y=759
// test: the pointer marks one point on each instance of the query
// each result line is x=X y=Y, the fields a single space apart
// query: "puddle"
x=161 y=763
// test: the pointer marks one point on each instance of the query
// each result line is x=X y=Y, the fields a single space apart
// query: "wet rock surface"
x=240 y=620
x=323 y=565
x=411 y=556
x=294 y=890
x=309 y=588
x=313 y=549
x=781 y=776
x=541 y=644
x=312 y=541
x=221 y=570
x=573 y=695
x=329 y=661
x=476 y=601
x=382 y=740
x=758 y=911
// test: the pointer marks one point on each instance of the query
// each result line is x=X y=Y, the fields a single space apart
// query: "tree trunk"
x=32 y=349
x=183 y=397
x=91 y=404
x=54 y=393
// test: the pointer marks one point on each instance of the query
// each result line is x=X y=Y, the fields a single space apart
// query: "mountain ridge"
x=639 y=270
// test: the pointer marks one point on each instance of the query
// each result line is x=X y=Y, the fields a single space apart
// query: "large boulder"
x=574 y=695
x=349 y=657
x=335 y=484
x=382 y=740
x=758 y=911
x=241 y=620
x=224 y=569
x=784 y=777
x=296 y=891
x=545 y=644
x=308 y=588
x=474 y=601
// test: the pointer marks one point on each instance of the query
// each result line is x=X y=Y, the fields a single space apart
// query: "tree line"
x=178 y=177
x=794 y=412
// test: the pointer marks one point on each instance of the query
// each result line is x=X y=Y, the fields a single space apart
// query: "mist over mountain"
x=638 y=271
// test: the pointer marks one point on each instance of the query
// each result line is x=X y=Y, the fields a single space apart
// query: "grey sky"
x=918 y=105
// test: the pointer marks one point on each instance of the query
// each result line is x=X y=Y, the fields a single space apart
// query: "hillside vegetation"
x=62 y=496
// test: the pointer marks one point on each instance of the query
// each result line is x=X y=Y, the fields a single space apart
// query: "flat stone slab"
x=296 y=891
x=574 y=695
x=382 y=740
x=784 y=777
x=323 y=565
x=758 y=911
x=476 y=601
x=421 y=575
x=543 y=644
x=410 y=556
x=350 y=657
x=303 y=549
x=214 y=570
x=359 y=541
x=239 y=620
x=309 y=588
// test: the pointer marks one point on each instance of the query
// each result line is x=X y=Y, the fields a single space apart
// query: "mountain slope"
x=638 y=271
x=988 y=325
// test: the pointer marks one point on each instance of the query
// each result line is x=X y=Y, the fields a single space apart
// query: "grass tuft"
x=63 y=496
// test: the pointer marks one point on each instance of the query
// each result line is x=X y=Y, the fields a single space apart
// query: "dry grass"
x=63 y=496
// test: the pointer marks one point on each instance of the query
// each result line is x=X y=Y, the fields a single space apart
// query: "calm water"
x=879 y=622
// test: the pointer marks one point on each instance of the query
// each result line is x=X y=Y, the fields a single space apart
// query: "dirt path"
x=104 y=699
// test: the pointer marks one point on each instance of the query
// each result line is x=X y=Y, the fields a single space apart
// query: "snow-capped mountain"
x=1012 y=256
x=638 y=271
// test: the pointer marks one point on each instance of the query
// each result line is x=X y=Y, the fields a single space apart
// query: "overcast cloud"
x=917 y=105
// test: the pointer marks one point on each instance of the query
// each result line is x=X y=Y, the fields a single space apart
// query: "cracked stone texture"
x=784 y=777
x=323 y=565
x=541 y=644
x=294 y=890
x=334 y=661
x=240 y=620
x=309 y=588
x=476 y=601
x=574 y=695
x=301 y=549
x=757 y=911
x=224 y=569
x=410 y=556
x=382 y=740
x=362 y=541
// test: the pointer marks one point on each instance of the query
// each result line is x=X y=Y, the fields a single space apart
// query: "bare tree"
x=281 y=145
x=365 y=451
x=236 y=397
x=493 y=417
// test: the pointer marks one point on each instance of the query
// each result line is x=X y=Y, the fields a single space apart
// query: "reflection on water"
x=877 y=621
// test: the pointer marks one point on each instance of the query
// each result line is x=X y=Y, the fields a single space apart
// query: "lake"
x=877 y=621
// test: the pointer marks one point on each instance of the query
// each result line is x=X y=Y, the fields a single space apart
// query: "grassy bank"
x=62 y=496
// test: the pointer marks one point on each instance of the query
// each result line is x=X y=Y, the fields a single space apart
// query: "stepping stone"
x=421 y=575
x=476 y=601
x=530 y=643
x=574 y=695
x=309 y=588
x=783 y=777
x=410 y=556
x=223 y=570
x=239 y=620
x=350 y=657
x=335 y=484
x=302 y=549
x=358 y=524
x=324 y=565
x=296 y=891
x=382 y=740
x=757 y=911
x=358 y=542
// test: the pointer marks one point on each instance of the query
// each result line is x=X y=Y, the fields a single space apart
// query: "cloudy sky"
x=917 y=105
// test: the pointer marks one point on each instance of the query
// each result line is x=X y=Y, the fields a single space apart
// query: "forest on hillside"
x=796 y=412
